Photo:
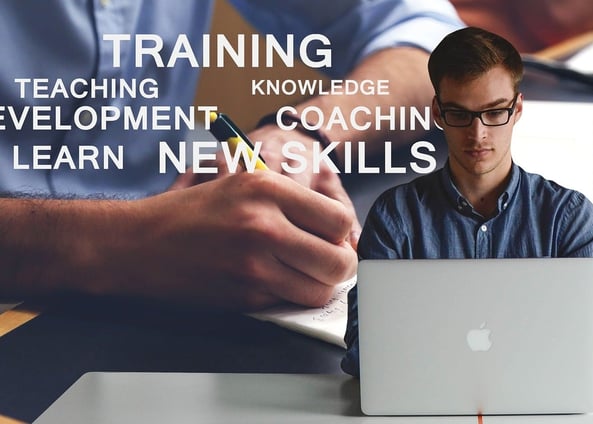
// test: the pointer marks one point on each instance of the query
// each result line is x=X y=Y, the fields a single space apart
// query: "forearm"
x=405 y=69
x=556 y=20
x=245 y=241
x=51 y=246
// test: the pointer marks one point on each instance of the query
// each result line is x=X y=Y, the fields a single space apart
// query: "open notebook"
x=327 y=323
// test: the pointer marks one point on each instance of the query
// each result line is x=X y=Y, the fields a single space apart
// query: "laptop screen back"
x=486 y=336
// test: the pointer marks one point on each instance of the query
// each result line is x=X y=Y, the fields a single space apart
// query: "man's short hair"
x=467 y=53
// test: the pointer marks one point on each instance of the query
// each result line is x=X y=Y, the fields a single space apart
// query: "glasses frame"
x=478 y=114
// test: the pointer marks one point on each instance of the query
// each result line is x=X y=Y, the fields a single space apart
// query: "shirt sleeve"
x=576 y=234
x=356 y=28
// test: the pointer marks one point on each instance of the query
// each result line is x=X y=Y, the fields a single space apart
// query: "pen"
x=225 y=130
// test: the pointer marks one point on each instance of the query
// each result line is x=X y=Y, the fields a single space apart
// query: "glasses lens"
x=457 y=118
x=496 y=116
x=491 y=117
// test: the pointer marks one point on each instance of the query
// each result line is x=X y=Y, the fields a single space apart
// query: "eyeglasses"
x=489 y=117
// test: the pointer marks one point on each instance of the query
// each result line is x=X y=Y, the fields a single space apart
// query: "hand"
x=325 y=182
x=245 y=241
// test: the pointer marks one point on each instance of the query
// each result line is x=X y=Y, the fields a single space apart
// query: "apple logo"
x=478 y=339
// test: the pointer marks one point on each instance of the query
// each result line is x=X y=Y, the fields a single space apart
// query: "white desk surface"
x=235 y=398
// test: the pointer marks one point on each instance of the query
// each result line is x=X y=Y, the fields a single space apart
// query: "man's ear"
x=518 y=107
x=436 y=113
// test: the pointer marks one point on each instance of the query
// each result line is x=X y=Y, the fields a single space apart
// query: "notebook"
x=327 y=323
x=476 y=336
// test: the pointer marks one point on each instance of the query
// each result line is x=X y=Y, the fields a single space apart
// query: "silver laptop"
x=476 y=336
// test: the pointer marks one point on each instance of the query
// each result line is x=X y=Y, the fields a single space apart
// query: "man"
x=481 y=204
x=243 y=241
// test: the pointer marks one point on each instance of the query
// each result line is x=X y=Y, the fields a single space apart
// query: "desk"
x=42 y=358
x=148 y=398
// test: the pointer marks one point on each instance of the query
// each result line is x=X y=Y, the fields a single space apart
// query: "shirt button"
x=105 y=3
x=484 y=228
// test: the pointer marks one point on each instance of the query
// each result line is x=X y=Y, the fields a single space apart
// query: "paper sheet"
x=327 y=323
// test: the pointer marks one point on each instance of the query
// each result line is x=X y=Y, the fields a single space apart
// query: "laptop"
x=476 y=336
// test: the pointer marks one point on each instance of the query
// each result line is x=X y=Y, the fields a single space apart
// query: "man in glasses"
x=480 y=204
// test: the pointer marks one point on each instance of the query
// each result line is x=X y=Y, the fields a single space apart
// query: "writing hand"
x=325 y=181
x=246 y=241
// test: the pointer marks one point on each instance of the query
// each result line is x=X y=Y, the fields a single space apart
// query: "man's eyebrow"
x=490 y=105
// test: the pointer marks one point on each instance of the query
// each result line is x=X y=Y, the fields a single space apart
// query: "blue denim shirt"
x=63 y=39
x=428 y=219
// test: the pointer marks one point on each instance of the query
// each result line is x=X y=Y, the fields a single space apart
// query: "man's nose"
x=477 y=129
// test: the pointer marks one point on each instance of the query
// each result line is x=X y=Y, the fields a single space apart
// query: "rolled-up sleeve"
x=356 y=28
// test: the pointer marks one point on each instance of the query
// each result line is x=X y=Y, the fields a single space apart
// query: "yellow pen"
x=225 y=130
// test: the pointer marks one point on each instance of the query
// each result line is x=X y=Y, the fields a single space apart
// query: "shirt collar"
x=462 y=205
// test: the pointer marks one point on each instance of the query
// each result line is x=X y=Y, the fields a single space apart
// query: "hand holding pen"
x=251 y=239
x=325 y=182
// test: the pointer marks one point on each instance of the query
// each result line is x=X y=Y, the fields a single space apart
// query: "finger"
x=285 y=282
x=312 y=211
x=321 y=260
x=330 y=185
